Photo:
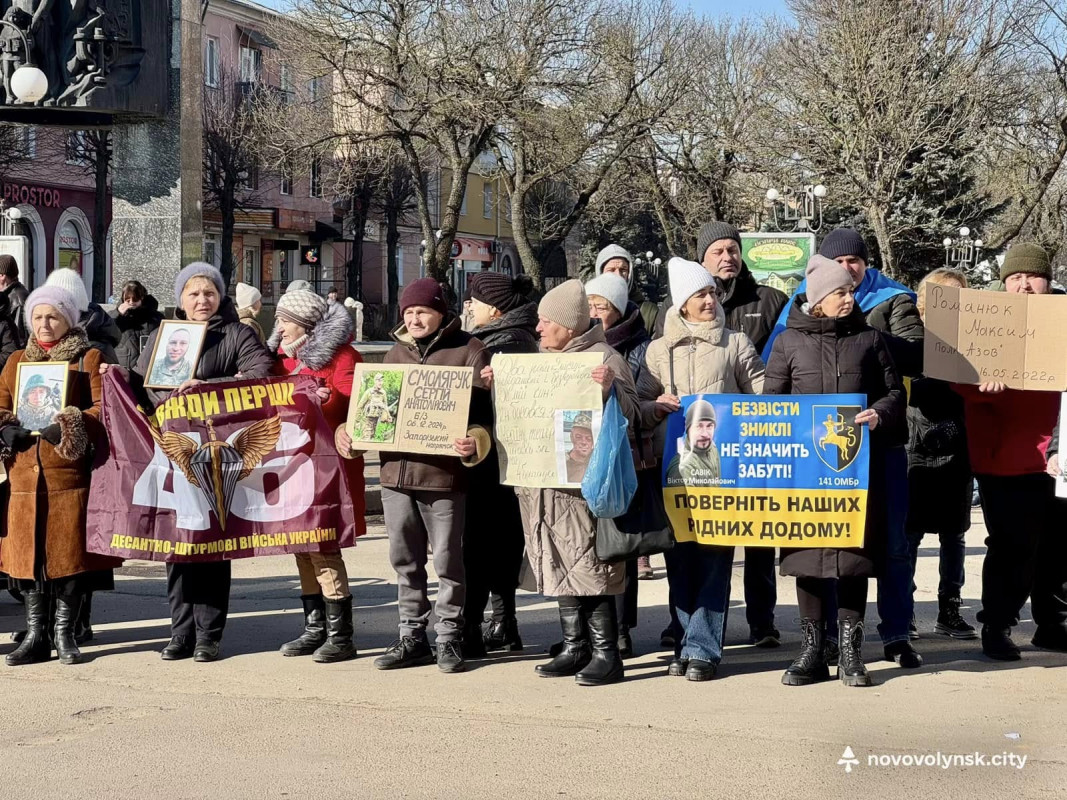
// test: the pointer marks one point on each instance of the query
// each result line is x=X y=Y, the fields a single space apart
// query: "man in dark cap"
x=14 y=293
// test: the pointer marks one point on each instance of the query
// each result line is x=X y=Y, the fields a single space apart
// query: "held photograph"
x=377 y=399
x=576 y=432
x=41 y=393
x=176 y=353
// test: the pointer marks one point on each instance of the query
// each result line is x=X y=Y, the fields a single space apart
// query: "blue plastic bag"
x=610 y=480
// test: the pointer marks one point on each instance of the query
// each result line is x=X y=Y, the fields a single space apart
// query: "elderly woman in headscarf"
x=43 y=549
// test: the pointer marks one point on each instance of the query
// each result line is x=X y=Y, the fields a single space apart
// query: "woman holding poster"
x=697 y=354
x=313 y=338
x=828 y=348
x=43 y=546
x=199 y=593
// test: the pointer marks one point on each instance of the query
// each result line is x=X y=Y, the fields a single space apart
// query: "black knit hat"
x=500 y=291
x=713 y=232
x=843 y=242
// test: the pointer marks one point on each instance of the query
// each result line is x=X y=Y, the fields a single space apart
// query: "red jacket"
x=1008 y=433
x=336 y=373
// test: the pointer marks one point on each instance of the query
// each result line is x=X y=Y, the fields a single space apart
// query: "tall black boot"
x=575 y=652
x=36 y=645
x=338 y=646
x=850 y=667
x=810 y=666
x=83 y=630
x=314 y=635
x=606 y=665
x=67 y=610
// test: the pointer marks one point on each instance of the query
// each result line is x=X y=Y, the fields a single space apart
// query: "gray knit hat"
x=615 y=251
x=713 y=232
x=304 y=308
x=1026 y=257
x=567 y=305
x=198 y=269
x=824 y=276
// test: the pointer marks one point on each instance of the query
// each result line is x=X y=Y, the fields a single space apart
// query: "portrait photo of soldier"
x=576 y=445
x=41 y=394
x=177 y=351
x=697 y=461
x=375 y=412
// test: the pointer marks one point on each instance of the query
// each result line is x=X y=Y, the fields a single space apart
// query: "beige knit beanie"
x=567 y=305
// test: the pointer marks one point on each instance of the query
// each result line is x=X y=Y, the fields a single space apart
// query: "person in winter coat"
x=98 y=325
x=43 y=546
x=560 y=529
x=617 y=259
x=136 y=317
x=828 y=348
x=312 y=338
x=624 y=331
x=249 y=304
x=889 y=308
x=9 y=335
x=14 y=294
x=199 y=593
x=1008 y=434
x=504 y=321
x=939 y=478
x=697 y=354
x=424 y=496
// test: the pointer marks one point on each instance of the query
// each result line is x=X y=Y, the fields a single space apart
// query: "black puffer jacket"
x=515 y=332
x=229 y=348
x=830 y=356
x=9 y=337
x=899 y=318
x=102 y=331
x=134 y=324
x=939 y=468
x=751 y=308
x=14 y=296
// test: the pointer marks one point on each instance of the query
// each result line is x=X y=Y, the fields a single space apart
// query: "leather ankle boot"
x=35 y=646
x=606 y=664
x=810 y=666
x=503 y=635
x=67 y=610
x=575 y=652
x=314 y=635
x=338 y=646
x=850 y=667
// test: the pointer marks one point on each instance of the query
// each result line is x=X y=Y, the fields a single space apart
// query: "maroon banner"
x=219 y=471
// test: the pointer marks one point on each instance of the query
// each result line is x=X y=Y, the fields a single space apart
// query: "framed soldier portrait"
x=176 y=353
x=40 y=393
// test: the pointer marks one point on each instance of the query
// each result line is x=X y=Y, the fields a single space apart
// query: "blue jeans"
x=952 y=554
x=699 y=577
x=895 y=601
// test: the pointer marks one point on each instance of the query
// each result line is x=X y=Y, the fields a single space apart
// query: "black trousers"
x=199 y=596
x=761 y=590
x=626 y=603
x=1026 y=550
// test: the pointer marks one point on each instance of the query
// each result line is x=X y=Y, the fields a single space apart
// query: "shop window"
x=211 y=251
x=70 y=247
x=250 y=266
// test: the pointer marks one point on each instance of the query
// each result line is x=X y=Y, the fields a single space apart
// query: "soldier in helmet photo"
x=38 y=404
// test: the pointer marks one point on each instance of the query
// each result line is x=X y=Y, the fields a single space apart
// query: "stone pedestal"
x=156 y=180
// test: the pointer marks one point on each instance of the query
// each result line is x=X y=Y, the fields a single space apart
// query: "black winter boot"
x=314 y=635
x=67 y=608
x=810 y=666
x=503 y=635
x=996 y=643
x=473 y=645
x=338 y=645
x=575 y=652
x=850 y=668
x=36 y=645
x=606 y=664
x=83 y=631
x=950 y=622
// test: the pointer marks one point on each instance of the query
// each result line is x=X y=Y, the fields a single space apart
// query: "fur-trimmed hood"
x=74 y=345
x=334 y=332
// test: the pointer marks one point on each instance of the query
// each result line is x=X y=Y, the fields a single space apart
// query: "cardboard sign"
x=767 y=471
x=409 y=408
x=548 y=411
x=973 y=336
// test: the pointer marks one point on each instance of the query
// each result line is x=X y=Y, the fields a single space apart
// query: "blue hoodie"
x=874 y=289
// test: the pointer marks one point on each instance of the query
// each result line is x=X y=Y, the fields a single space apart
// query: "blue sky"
x=737 y=8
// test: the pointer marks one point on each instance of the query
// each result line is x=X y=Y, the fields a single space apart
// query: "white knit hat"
x=686 y=279
x=247 y=296
x=70 y=281
x=612 y=288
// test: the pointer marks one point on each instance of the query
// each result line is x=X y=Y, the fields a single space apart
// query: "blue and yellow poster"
x=767 y=470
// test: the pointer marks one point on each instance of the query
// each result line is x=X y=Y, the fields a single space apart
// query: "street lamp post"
x=652 y=267
x=8 y=217
x=963 y=252
x=28 y=83
x=800 y=208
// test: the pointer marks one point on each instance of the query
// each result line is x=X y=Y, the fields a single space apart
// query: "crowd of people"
x=847 y=329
